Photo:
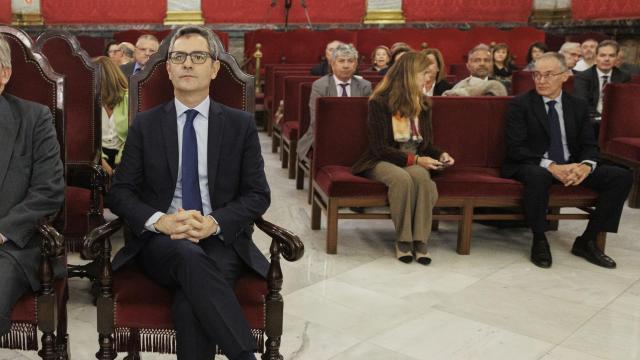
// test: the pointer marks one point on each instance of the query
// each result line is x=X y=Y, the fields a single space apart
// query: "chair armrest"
x=52 y=241
x=93 y=243
x=289 y=244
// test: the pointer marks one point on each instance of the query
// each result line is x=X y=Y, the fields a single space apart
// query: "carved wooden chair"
x=85 y=177
x=45 y=310
x=133 y=312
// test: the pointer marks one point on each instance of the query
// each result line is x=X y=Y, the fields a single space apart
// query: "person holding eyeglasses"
x=550 y=140
x=190 y=185
x=146 y=45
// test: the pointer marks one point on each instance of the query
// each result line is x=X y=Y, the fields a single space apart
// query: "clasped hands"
x=570 y=174
x=186 y=224
x=432 y=164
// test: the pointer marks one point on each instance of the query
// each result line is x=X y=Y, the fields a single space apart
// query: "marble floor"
x=492 y=304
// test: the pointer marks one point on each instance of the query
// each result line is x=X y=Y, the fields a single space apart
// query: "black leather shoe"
x=541 y=254
x=592 y=254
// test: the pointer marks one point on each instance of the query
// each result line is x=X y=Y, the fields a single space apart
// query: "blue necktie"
x=344 y=89
x=191 y=199
x=556 y=150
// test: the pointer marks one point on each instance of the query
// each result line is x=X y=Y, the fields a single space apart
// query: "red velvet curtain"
x=609 y=9
x=260 y=11
x=468 y=10
x=103 y=12
x=5 y=12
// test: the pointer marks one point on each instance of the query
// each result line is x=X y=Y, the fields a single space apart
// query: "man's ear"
x=215 y=67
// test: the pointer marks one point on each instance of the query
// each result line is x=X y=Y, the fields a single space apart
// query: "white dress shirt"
x=201 y=126
x=545 y=161
x=110 y=138
x=339 y=87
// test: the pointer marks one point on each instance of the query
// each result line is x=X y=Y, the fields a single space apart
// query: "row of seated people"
x=343 y=83
x=34 y=185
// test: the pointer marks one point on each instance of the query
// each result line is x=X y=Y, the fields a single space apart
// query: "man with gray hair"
x=550 y=140
x=31 y=187
x=341 y=82
x=146 y=45
x=190 y=185
x=127 y=50
x=481 y=81
x=571 y=52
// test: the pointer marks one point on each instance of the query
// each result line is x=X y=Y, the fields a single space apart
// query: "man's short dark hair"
x=212 y=39
x=614 y=44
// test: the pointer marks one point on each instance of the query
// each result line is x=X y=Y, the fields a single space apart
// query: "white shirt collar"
x=601 y=74
x=558 y=99
x=338 y=81
x=202 y=108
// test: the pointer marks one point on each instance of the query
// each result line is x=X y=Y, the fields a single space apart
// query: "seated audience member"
x=114 y=99
x=481 y=81
x=114 y=52
x=397 y=51
x=631 y=69
x=401 y=153
x=191 y=236
x=436 y=82
x=324 y=67
x=502 y=64
x=589 y=84
x=341 y=82
x=127 y=52
x=550 y=140
x=380 y=58
x=146 y=46
x=31 y=187
x=588 y=55
x=571 y=52
x=535 y=51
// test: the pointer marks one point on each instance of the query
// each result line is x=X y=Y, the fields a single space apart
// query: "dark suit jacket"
x=31 y=180
x=147 y=176
x=321 y=69
x=441 y=86
x=586 y=85
x=527 y=131
x=127 y=69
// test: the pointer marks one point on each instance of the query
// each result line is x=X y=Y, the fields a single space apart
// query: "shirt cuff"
x=152 y=220
x=545 y=163
x=3 y=239
x=215 y=221
x=590 y=162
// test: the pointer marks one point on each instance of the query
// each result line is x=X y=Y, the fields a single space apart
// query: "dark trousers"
x=205 y=309
x=612 y=184
x=13 y=284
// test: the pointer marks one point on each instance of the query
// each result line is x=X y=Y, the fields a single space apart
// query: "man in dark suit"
x=324 y=67
x=146 y=45
x=31 y=187
x=190 y=184
x=550 y=140
x=340 y=82
x=589 y=84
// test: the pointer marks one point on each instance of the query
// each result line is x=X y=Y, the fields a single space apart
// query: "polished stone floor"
x=492 y=304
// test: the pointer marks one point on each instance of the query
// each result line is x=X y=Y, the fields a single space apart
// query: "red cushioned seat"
x=25 y=310
x=338 y=181
x=289 y=130
x=626 y=147
x=141 y=304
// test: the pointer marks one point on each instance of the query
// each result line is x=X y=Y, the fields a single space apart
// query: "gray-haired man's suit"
x=326 y=86
x=31 y=187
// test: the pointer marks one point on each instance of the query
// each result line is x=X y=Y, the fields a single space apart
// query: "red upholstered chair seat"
x=141 y=304
x=626 y=147
x=337 y=181
x=25 y=310
x=289 y=130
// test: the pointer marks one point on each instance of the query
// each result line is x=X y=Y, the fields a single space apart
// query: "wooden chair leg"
x=332 y=227
x=310 y=192
x=553 y=224
x=299 y=177
x=274 y=142
x=292 y=158
x=62 y=338
x=48 y=351
x=284 y=156
x=464 y=230
x=634 y=195
x=316 y=214
x=601 y=241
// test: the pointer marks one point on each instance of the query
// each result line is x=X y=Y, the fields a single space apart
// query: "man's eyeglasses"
x=197 y=57
x=548 y=76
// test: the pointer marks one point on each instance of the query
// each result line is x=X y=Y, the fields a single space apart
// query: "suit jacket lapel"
x=170 y=135
x=355 y=87
x=595 y=85
x=569 y=120
x=214 y=143
x=332 y=86
x=540 y=111
x=8 y=133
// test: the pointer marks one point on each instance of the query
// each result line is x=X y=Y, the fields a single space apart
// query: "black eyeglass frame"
x=190 y=55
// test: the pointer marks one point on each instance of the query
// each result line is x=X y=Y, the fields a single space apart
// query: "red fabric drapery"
x=5 y=12
x=610 y=9
x=260 y=11
x=468 y=10
x=105 y=12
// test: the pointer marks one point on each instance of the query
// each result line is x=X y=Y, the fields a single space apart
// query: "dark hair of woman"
x=113 y=83
x=537 y=45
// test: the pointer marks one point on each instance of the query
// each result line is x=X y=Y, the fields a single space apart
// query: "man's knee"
x=536 y=176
